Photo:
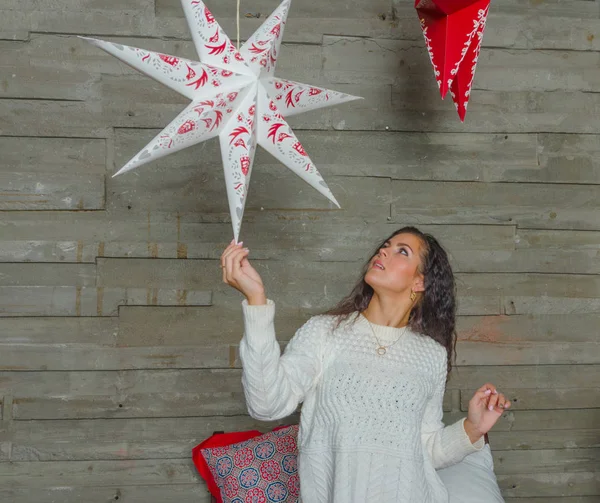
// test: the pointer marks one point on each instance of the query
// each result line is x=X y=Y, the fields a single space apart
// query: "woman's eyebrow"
x=404 y=244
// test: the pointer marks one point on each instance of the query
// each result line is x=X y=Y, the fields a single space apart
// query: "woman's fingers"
x=223 y=263
x=233 y=267
x=483 y=393
x=493 y=401
x=230 y=248
x=503 y=403
x=237 y=258
x=230 y=260
x=498 y=402
x=226 y=263
x=487 y=386
x=489 y=396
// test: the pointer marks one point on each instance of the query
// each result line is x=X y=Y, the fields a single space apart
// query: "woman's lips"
x=378 y=265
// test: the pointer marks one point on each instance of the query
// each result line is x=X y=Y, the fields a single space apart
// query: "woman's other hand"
x=485 y=408
x=238 y=273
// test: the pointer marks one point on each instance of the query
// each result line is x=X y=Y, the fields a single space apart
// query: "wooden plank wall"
x=117 y=338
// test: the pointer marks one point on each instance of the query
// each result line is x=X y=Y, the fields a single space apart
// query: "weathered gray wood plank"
x=560 y=419
x=318 y=288
x=56 y=155
x=519 y=340
x=537 y=293
x=571 y=156
x=528 y=376
x=47 y=274
x=139 y=338
x=121 y=439
x=98 y=473
x=57 y=343
x=546 y=461
x=182 y=493
x=50 y=84
x=544 y=399
x=52 y=118
x=543 y=30
x=64 y=395
x=550 y=485
x=303 y=236
x=90 y=301
x=51 y=191
x=135 y=16
x=559 y=439
x=52 y=173
x=567 y=499
x=576 y=301
x=78 y=356
x=556 y=261
x=540 y=239
x=355 y=60
x=560 y=499
x=545 y=206
x=489 y=111
x=583 y=9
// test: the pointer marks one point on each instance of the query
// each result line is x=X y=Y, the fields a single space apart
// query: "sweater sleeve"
x=275 y=384
x=446 y=445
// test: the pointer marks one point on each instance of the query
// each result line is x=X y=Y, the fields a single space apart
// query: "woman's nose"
x=382 y=252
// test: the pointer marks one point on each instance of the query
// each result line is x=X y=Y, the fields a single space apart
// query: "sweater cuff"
x=473 y=447
x=259 y=321
x=459 y=442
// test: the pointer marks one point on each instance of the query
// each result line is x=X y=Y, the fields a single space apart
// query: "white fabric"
x=472 y=480
x=371 y=426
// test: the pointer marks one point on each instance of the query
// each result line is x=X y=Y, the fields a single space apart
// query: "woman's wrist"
x=257 y=299
x=472 y=432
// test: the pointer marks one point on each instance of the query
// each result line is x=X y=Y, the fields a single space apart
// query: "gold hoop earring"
x=413 y=296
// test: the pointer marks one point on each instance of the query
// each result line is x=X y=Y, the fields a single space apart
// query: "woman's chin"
x=373 y=277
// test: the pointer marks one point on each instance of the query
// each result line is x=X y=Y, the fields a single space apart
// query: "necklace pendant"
x=381 y=350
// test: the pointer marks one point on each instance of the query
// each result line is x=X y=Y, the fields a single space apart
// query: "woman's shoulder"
x=329 y=323
x=314 y=331
x=430 y=346
x=322 y=321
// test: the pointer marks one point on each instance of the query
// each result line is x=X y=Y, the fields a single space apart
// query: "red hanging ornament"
x=453 y=31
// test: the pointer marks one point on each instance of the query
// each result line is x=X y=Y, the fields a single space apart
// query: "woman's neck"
x=387 y=311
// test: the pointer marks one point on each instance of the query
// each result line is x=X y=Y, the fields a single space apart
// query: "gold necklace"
x=381 y=349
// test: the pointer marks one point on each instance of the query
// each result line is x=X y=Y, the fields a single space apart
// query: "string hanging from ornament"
x=237 y=19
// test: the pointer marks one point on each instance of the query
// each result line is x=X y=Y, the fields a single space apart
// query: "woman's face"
x=395 y=268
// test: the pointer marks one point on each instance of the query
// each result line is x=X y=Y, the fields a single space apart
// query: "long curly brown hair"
x=434 y=314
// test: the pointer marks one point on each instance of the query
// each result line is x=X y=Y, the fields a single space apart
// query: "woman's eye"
x=403 y=250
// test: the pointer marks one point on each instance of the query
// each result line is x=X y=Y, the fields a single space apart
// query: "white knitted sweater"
x=371 y=426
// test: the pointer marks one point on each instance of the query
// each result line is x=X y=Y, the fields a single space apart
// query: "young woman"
x=371 y=375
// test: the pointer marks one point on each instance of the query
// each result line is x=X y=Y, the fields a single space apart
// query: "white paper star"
x=234 y=96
